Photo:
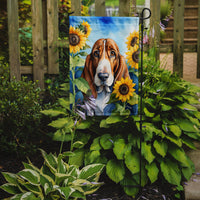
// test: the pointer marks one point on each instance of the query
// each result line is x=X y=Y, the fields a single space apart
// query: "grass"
x=112 y=3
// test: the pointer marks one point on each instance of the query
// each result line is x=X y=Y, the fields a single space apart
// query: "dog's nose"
x=103 y=76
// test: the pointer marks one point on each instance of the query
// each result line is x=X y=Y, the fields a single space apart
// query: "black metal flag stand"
x=142 y=18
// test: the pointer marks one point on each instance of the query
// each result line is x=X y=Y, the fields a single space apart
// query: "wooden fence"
x=45 y=34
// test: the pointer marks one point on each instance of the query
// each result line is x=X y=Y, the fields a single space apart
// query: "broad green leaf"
x=147 y=113
x=62 y=135
x=64 y=103
x=185 y=106
x=191 y=100
x=188 y=171
x=16 y=197
x=10 y=177
x=91 y=171
x=10 y=188
x=76 y=61
x=188 y=142
x=174 y=140
x=30 y=175
x=132 y=161
x=29 y=196
x=120 y=148
x=71 y=98
x=46 y=182
x=171 y=172
x=61 y=168
x=175 y=130
x=103 y=124
x=153 y=171
x=53 y=113
x=133 y=99
x=179 y=155
x=165 y=107
x=160 y=147
x=112 y=119
x=186 y=125
x=106 y=141
x=193 y=135
x=92 y=156
x=78 y=157
x=78 y=144
x=115 y=170
x=66 y=191
x=50 y=160
x=33 y=188
x=82 y=84
x=84 y=124
x=147 y=152
x=60 y=178
x=129 y=186
x=62 y=122
x=175 y=87
x=29 y=165
x=95 y=146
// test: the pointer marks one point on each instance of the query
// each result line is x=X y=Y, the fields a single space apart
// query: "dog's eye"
x=96 y=54
x=112 y=54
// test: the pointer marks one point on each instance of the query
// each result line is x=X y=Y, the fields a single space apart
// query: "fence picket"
x=100 y=8
x=124 y=7
x=178 y=36
x=45 y=34
x=198 y=44
x=52 y=36
x=76 y=7
x=14 y=44
x=37 y=38
x=155 y=27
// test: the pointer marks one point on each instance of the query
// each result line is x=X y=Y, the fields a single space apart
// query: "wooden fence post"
x=124 y=8
x=76 y=7
x=100 y=8
x=155 y=27
x=37 y=38
x=13 y=34
x=178 y=47
x=198 y=44
x=52 y=36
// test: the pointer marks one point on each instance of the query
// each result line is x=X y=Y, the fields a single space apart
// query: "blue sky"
x=116 y=28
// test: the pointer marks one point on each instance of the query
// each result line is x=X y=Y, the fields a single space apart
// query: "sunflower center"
x=85 y=30
x=123 y=89
x=74 y=39
x=135 y=56
x=133 y=41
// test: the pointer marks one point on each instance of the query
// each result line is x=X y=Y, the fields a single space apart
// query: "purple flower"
x=80 y=113
x=88 y=106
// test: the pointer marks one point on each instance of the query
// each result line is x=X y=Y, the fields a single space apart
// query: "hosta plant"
x=170 y=123
x=54 y=180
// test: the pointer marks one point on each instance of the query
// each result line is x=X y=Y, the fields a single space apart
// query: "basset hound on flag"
x=103 y=66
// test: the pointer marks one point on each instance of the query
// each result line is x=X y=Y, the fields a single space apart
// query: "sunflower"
x=133 y=57
x=124 y=89
x=87 y=28
x=133 y=39
x=77 y=40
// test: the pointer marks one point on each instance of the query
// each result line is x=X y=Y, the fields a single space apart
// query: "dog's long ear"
x=88 y=75
x=122 y=69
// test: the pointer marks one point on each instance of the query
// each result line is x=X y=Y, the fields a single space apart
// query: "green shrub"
x=170 y=123
x=54 y=180
x=19 y=112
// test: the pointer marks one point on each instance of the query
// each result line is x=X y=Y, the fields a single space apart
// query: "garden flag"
x=104 y=54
